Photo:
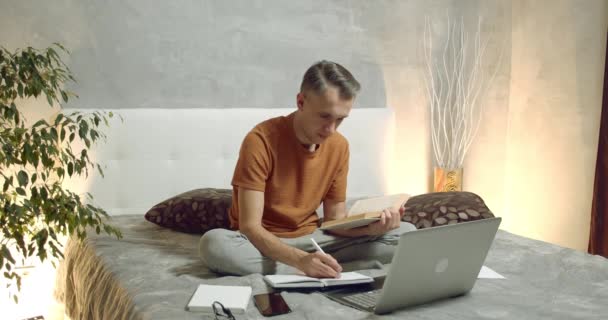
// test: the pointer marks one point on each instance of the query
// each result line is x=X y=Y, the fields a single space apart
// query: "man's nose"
x=331 y=128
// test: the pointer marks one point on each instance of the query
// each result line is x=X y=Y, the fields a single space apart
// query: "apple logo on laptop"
x=441 y=265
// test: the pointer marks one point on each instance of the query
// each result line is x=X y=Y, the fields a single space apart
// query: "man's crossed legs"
x=230 y=252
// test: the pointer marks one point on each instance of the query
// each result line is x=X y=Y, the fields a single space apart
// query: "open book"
x=366 y=211
x=297 y=281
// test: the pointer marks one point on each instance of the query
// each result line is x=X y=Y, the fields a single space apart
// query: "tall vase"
x=447 y=180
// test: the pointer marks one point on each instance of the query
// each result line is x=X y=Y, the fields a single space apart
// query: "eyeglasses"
x=221 y=312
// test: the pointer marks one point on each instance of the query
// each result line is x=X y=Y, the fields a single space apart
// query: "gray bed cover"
x=154 y=271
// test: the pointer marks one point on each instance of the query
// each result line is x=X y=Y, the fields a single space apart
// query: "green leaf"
x=100 y=170
x=94 y=134
x=60 y=172
x=44 y=194
x=7 y=254
x=72 y=136
x=22 y=178
x=39 y=123
x=58 y=119
x=20 y=191
x=70 y=168
x=48 y=99
x=54 y=134
x=62 y=136
x=36 y=159
x=27 y=153
x=34 y=177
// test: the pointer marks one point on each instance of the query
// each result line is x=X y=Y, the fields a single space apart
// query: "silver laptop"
x=429 y=264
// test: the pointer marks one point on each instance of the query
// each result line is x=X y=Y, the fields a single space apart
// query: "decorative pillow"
x=442 y=208
x=195 y=211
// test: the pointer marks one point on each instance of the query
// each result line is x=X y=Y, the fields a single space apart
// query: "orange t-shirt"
x=294 y=180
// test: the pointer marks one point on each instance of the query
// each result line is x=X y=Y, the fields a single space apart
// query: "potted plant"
x=35 y=210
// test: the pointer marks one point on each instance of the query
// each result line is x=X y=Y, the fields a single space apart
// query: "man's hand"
x=319 y=265
x=390 y=219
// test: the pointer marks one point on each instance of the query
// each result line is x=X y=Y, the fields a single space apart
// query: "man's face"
x=321 y=114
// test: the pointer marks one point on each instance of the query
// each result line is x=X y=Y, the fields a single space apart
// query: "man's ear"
x=300 y=101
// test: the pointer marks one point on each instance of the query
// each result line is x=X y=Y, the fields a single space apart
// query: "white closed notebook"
x=297 y=281
x=235 y=298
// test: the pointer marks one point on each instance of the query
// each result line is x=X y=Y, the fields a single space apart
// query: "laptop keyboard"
x=365 y=299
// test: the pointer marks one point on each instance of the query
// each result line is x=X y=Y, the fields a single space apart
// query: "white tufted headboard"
x=158 y=153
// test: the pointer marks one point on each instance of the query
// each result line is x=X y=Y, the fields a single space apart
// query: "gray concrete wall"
x=532 y=160
x=135 y=54
x=211 y=53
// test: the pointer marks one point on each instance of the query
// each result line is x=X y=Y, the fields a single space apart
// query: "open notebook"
x=297 y=281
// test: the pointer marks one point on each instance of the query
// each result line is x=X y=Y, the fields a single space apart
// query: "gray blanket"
x=152 y=272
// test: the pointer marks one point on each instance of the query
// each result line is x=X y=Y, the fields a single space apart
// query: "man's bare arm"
x=251 y=205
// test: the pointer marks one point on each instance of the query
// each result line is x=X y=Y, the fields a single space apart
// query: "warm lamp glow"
x=36 y=296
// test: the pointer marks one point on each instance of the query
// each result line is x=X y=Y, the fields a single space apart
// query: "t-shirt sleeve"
x=254 y=163
x=337 y=189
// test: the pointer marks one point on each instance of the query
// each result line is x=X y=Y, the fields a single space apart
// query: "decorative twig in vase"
x=455 y=86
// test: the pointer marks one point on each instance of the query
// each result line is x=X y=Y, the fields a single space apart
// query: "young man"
x=288 y=166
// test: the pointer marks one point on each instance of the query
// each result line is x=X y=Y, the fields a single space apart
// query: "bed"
x=152 y=272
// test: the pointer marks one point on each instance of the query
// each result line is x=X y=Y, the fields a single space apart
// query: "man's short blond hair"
x=325 y=73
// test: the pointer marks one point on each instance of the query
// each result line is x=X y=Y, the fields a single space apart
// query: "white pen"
x=317 y=246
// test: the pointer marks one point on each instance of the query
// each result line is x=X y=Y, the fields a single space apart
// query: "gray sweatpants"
x=230 y=252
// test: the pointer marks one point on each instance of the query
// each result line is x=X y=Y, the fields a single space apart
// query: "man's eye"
x=325 y=116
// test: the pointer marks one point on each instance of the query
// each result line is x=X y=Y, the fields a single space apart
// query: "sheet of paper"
x=487 y=273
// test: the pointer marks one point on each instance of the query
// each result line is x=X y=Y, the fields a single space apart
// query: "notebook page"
x=290 y=278
x=347 y=277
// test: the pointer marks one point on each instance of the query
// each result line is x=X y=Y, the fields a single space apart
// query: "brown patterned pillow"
x=442 y=208
x=195 y=211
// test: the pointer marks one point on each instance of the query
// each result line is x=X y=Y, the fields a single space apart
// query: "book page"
x=378 y=203
x=348 y=224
